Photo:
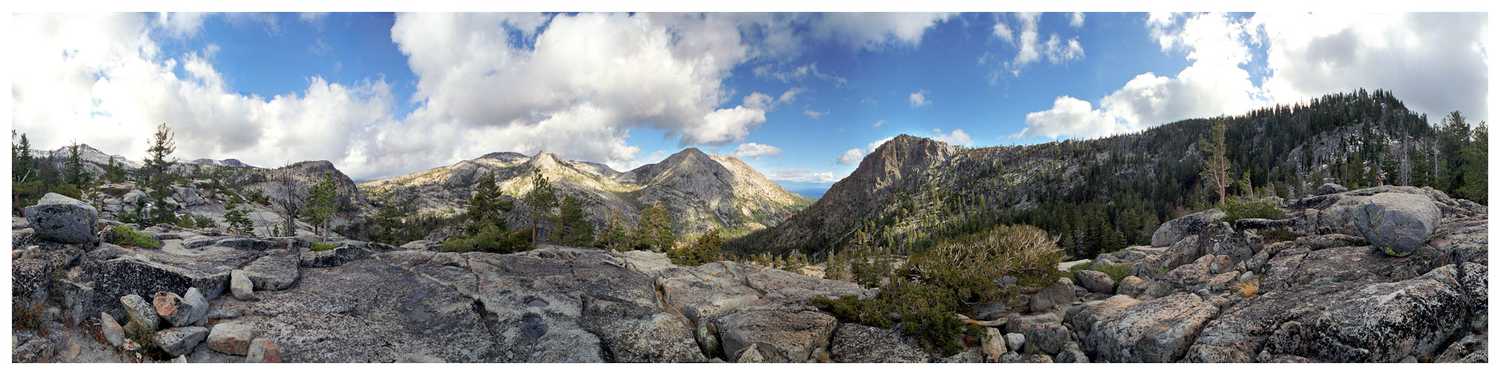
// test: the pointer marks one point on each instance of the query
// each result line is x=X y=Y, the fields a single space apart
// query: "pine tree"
x=485 y=206
x=158 y=177
x=390 y=219
x=1475 y=166
x=114 y=172
x=23 y=174
x=1243 y=185
x=655 y=229
x=616 y=237
x=541 y=199
x=237 y=218
x=703 y=250
x=322 y=203
x=21 y=162
x=73 y=168
x=1454 y=134
x=573 y=227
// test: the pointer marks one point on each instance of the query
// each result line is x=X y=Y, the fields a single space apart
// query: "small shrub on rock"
x=323 y=246
x=125 y=236
x=1246 y=208
x=1116 y=272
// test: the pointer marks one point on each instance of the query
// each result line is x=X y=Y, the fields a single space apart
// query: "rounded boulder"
x=58 y=218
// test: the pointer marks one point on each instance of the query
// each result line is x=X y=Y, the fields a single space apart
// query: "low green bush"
x=1236 y=208
x=921 y=311
x=924 y=296
x=195 y=221
x=1116 y=272
x=491 y=240
x=323 y=246
x=969 y=265
x=125 y=236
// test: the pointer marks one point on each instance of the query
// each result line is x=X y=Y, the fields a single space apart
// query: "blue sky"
x=379 y=101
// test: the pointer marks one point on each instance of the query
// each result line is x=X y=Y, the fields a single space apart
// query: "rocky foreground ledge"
x=1375 y=275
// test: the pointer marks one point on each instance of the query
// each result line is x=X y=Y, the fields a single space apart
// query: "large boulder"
x=1123 y=329
x=1059 y=294
x=1044 y=333
x=1397 y=223
x=706 y=292
x=59 y=218
x=854 y=343
x=1095 y=281
x=116 y=271
x=1133 y=286
x=780 y=335
x=1383 y=322
x=1176 y=229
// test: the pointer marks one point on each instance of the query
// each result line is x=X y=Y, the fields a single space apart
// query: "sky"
x=802 y=97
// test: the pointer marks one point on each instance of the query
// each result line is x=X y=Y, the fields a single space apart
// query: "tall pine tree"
x=157 y=173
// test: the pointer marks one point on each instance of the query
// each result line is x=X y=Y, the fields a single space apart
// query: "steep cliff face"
x=898 y=165
x=701 y=192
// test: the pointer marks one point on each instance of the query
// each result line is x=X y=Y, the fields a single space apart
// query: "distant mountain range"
x=700 y=191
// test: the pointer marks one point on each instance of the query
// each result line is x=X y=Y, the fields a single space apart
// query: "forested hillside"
x=1102 y=194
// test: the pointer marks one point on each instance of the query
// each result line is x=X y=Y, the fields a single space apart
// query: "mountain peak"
x=544 y=160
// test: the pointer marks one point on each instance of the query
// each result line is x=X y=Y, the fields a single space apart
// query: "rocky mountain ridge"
x=700 y=192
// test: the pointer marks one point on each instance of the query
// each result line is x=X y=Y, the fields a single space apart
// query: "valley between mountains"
x=1346 y=229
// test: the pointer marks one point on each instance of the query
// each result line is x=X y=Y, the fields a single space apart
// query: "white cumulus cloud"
x=1215 y=82
x=753 y=150
x=1031 y=47
x=1435 y=62
x=851 y=156
x=917 y=98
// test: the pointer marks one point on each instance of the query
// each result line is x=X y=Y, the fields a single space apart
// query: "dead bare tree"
x=291 y=203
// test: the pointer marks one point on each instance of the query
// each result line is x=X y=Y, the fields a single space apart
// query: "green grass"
x=324 y=246
x=125 y=236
